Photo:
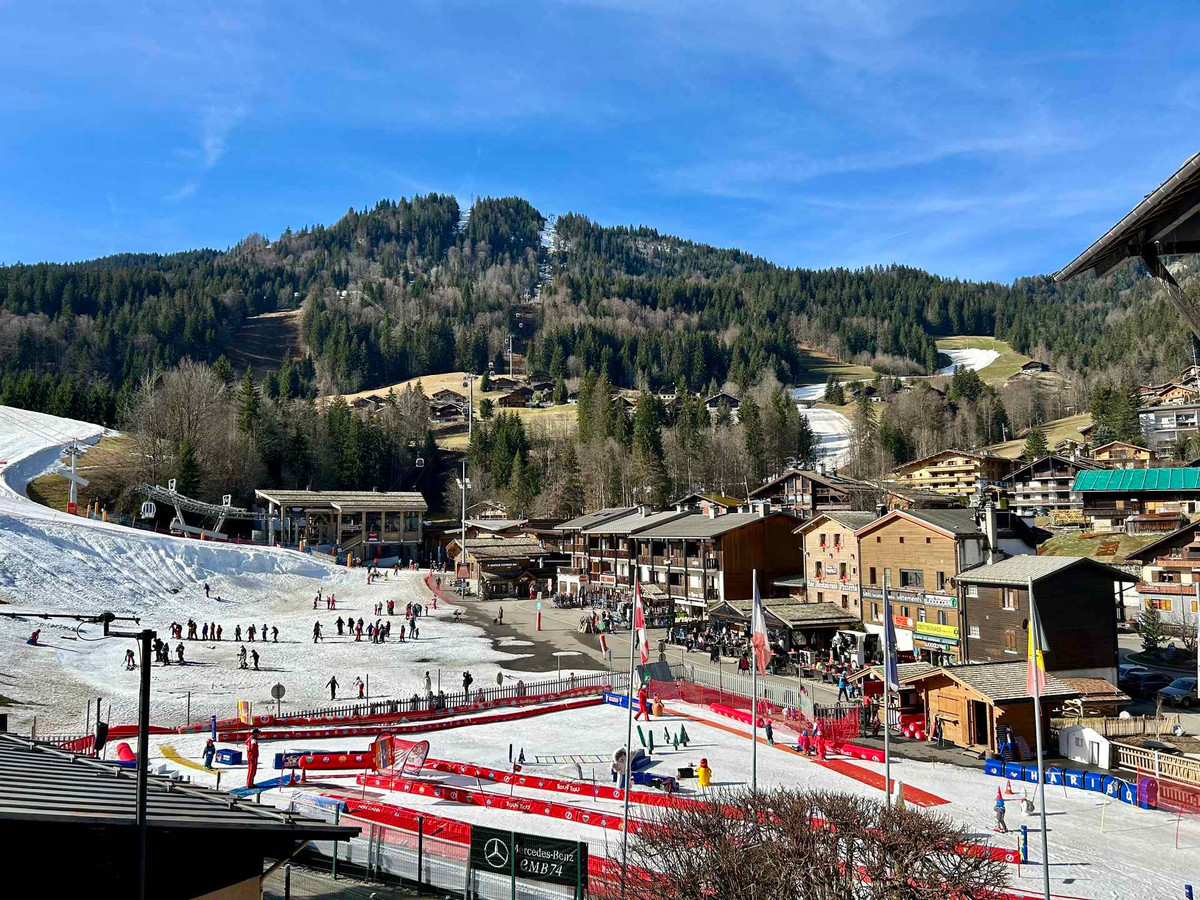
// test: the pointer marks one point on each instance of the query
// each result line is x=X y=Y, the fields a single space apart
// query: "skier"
x=218 y=632
x=237 y=634
x=129 y=662
x=206 y=590
x=333 y=686
x=250 y=633
x=179 y=652
x=428 y=683
x=254 y=656
x=242 y=657
x=358 y=683
x=339 y=623
x=316 y=631
x=770 y=733
x=210 y=750
x=204 y=632
x=999 y=809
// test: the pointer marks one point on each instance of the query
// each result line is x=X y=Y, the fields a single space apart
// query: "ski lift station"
x=368 y=524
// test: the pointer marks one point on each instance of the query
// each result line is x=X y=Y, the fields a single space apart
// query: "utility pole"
x=463 y=483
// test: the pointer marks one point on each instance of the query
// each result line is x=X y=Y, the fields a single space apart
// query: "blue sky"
x=983 y=140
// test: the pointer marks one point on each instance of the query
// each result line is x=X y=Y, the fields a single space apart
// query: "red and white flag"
x=639 y=624
x=603 y=646
x=758 y=632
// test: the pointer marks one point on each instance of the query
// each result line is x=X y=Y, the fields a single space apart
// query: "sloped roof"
x=828 y=479
x=957 y=522
x=999 y=682
x=43 y=783
x=699 y=525
x=1177 y=479
x=1097 y=690
x=801 y=615
x=397 y=500
x=1066 y=460
x=1152 y=550
x=1018 y=571
x=634 y=522
x=1121 y=444
x=852 y=519
x=495 y=524
x=587 y=520
x=904 y=670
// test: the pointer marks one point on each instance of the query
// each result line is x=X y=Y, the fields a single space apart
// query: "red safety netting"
x=1170 y=794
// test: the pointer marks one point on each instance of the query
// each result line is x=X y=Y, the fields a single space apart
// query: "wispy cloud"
x=218 y=123
x=185 y=190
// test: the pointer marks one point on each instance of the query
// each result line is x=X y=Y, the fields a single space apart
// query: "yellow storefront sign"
x=933 y=628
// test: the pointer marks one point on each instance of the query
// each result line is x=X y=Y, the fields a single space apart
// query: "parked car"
x=1180 y=692
x=1151 y=683
x=1128 y=675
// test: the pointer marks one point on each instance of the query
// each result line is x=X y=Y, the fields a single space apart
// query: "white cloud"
x=185 y=190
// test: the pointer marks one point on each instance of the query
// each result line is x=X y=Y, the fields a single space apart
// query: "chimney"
x=711 y=512
x=989 y=528
x=880 y=510
x=644 y=511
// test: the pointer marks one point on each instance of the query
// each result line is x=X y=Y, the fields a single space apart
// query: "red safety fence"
x=582 y=789
x=299 y=734
x=547 y=808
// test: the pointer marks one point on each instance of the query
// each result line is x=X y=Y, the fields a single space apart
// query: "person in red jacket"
x=643 y=703
x=251 y=757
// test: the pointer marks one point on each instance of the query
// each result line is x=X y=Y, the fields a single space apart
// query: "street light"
x=463 y=483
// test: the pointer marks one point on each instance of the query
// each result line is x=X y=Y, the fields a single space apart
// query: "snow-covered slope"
x=973 y=358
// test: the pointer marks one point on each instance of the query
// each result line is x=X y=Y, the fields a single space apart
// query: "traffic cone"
x=999 y=796
x=1008 y=788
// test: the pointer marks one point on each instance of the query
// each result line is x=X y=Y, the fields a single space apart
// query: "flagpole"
x=629 y=739
x=1035 y=638
x=754 y=700
x=888 y=650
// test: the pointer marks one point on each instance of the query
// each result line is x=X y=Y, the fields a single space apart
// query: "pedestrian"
x=275 y=634
x=254 y=656
x=500 y=615
x=316 y=631
x=206 y=590
x=210 y=750
x=218 y=632
x=333 y=686
x=428 y=683
x=242 y=658
x=744 y=664
x=467 y=679
x=263 y=633
x=843 y=686
x=179 y=652
x=204 y=632
x=339 y=624
x=1000 y=810
x=770 y=733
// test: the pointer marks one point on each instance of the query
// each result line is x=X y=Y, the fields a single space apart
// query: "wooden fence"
x=1113 y=726
x=1157 y=763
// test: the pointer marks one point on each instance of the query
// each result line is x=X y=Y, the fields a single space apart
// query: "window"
x=820 y=597
x=973 y=631
x=921 y=614
x=972 y=590
x=927 y=540
x=817 y=569
x=878 y=539
x=1163 y=603
x=822 y=541
x=872 y=575
x=904 y=611
x=942 y=617
x=842 y=571
x=941 y=581
x=837 y=541
x=874 y=610
x=845 y=602
x=1010 y=641
x=1008 y=598
x=912 y=578
x=902 y=539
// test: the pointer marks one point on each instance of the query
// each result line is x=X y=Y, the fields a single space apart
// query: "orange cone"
x=999 y=796
x=1008 y=787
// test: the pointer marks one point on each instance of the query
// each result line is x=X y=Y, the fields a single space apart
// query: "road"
x=1131 y=643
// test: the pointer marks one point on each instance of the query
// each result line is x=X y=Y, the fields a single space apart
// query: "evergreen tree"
x=559 y=396
x=864 y=439
x=187 y=469
x=520 y=487
x=835 y=394
x=1151 y=628
x=223 y=370
x=570 y=499
x=249 y=404
x=650 y=468
x=806 y=443
x=486 y=408
x=1036 y=445
x=724 y=416
x=752 y=435
x=485 y=382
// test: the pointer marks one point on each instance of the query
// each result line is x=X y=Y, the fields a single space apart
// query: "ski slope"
x=974 y=359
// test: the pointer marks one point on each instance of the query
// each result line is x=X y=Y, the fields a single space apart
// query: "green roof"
x=1181 y=479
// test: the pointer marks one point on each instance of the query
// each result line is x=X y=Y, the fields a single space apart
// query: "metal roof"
x=595 y=518
x=42 y=783
x=852 y=519
x=1164 y=223
x=398 y=500
x=699 y=525
x=1178 y=479
x=998 y=682
x=495 y=524
x=1018 y=571
x=800 y=615
x=958 y=522
x=635 y=522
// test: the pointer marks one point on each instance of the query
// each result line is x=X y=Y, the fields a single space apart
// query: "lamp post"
x=463 y=483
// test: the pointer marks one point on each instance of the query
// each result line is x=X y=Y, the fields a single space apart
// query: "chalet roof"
x=503 y=548
x=634 y=522
x=717 y=499
x=1155 y=548
x=43 y=783
x=1065 y=460
x=1152 y=227
x=1000 y=682
x=904 y=670
x=1132 y=480
x=495 y=524
x=1018 y=571
x=917 y=463
x=851 y=519
x=801 y=615
x=1097 y=690
x=955 y=522
x=1120 y=444
x=698 y=525
x=829 y=480
x=723 y=395
x=587 y=520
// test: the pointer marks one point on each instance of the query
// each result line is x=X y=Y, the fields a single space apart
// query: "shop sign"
x=936 y=639
x=608 y=579
x=935 y=630
x=902 y=622
x=847 y=586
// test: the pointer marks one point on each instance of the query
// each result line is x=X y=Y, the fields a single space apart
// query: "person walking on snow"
x=254 y=656
x=428 y=684
x=339 y=624
x=210 y=750
x=242 y=658
x=643 y=703
x=316 y=631
x=467 y=679
x=770 y=733
x=179 y=652
x=1000 y=810
x=250 y=633
x=206 y=590
x=275 y=634
x=204 y=632
x=237 y=634
x=333 y=686
x=218 y=632
x=358 y=683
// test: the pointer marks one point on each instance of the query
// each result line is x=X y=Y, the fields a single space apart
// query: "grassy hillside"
x=816 y=367
x=558 y=419
x=263 y=342
x=101 y=465
x=1007 y=365
x=1056 y=430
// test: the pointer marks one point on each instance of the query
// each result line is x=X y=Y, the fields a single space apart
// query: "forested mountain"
x=412 y=287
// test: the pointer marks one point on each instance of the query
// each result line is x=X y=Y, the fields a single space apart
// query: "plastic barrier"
x=994 y=767
x=1031 y=774
x=229 y=757
x=125 y=753
x=857 y=751
x=550 y=809
x=738 y=715
x=1143 y=793
x=307 y=734
x=336 y=761
x=1093 y=781
x=1073 y=778
x=1014 y=771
